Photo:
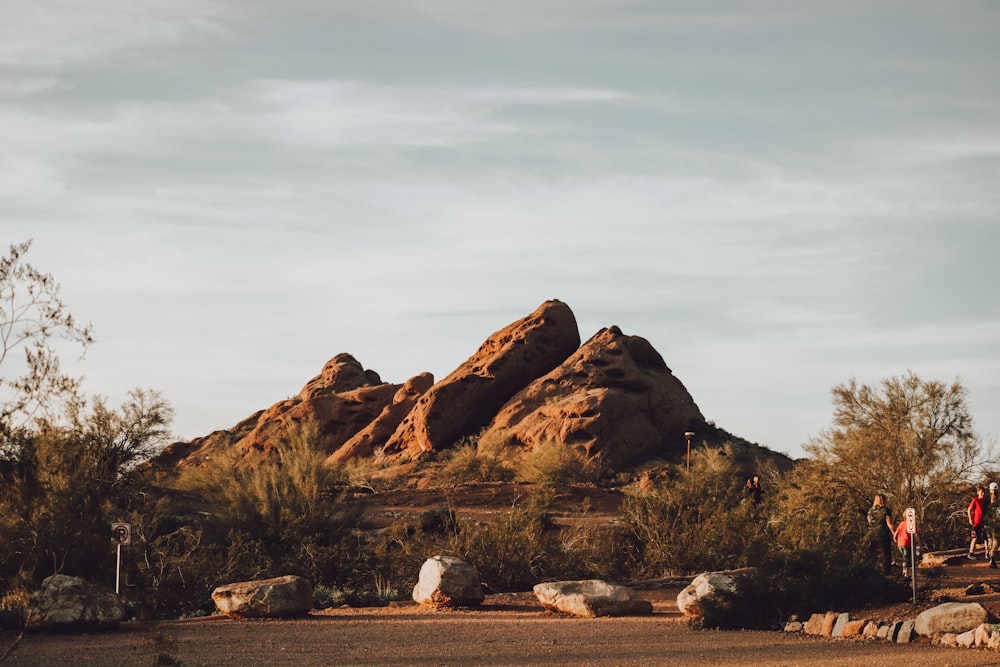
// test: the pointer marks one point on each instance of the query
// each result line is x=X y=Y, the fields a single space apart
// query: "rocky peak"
x=615 y=396
x=466 y=400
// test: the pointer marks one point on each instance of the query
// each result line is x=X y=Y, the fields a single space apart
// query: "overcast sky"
x=778 y=195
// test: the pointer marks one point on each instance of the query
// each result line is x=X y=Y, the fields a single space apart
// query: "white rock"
x=446 y=581
x=705 y=585
x=956 y=617
x=966 y=639
x=265 y=598
x=590 y=598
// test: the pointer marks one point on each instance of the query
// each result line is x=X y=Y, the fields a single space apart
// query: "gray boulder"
x=73 y=603
x=950 y=617
x=265 y=598
x=446 y=581
x=590 y=598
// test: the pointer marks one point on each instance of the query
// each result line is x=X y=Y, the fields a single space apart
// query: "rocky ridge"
x=530 y=382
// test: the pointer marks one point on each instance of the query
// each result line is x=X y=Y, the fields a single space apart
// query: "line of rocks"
x=950 y=624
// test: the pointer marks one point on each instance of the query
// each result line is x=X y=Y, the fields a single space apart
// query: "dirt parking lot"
x=508 y=629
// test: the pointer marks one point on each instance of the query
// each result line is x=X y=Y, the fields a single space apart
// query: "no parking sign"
x=122 y=535
x=122 y=532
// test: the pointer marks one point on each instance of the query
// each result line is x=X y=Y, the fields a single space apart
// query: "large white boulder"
x=590 y=598
x=446 y=581
x=265 y=598
x=72 y=603
x=950 y=617
x=705 y=585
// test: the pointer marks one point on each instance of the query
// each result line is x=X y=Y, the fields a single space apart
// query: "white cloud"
x=62 y=33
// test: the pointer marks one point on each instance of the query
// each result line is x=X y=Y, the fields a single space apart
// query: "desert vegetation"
x=70 y=466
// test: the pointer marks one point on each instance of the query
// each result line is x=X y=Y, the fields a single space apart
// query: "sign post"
x=911 y=528
x=122 y=536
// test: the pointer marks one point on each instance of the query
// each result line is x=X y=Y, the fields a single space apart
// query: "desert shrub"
x=593 y=550
x=63 y=484
x=370 y=474
x=516 y=549
x=277 y=515
x=379 y=595
x=287 y=493
x=14 y=608
x=440 y=520
x=474 y=459
x=553 y=462
x=696 y=521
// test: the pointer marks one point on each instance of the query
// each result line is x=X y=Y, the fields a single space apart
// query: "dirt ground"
x=507 y=629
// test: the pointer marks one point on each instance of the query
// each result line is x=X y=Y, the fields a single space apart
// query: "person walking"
x=977 y=510
x=904 y=540
x=752 y=490
x=880 y=531
x=993 y=525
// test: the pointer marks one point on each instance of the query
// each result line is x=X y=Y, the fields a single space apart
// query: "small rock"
x=854 y=628
x=838 y=626
x=975 y=589
x=982 y=635
x=905 y=633
x=827 y=629
x=815 y=624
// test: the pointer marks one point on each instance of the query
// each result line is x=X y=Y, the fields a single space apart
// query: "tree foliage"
x=907 y=437
x=64 y=485
x=32 y=318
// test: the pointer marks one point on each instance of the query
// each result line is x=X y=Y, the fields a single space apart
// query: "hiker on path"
x=880 y=531
x=978 y=507
x=993 y=525
x=904 y=540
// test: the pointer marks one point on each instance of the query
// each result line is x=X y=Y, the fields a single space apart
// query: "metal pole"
x=118 y=568
x=913 y=565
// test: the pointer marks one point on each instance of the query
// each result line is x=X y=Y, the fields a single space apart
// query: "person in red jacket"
x=977 y=514
x=904 y=540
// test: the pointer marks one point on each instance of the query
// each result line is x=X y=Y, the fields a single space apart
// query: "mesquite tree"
x=33 y=317
x=910 y=438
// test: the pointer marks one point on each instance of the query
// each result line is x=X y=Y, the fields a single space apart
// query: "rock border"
x=840 y=625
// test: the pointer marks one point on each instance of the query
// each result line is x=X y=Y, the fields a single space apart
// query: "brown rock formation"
x=340 y=374
x=614 y=397
x=374 y=436
x=470 y=396
x=342 y=400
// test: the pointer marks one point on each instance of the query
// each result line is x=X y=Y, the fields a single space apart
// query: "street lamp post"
x=689 y=435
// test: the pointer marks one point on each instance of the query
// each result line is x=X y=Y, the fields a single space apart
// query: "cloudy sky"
x=779 y=195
